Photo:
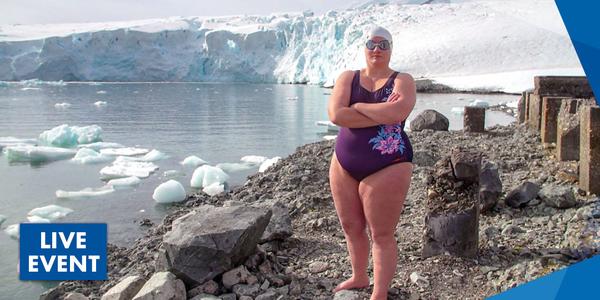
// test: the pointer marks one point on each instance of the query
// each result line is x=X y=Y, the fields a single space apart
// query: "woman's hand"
x=394 y=96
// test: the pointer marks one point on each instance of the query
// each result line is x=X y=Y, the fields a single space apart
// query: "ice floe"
x=206 y=175
x=168 y=192
x=173 y=174
x=85 y=193
x=50 y=212
x=151 y=156
x=37 y=219
x=330 y=125
x=457 y=110
x=12 y=231
x=127 y=151
x=193 y=161
x=62 y=105
x=123 y=168
x=268 y=163
x=124 y=183
x=66 y=136
x=100 y=103
x=329 y=137
x=479 y=103
x=253 y=159
x=235 y=167
x=89 y=156
x=37 y=154
x=214 y=189
x=101 y=145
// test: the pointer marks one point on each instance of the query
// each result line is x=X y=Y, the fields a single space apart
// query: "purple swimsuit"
x=364 y=151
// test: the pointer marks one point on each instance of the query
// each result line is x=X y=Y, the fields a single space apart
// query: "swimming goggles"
x=383 y=45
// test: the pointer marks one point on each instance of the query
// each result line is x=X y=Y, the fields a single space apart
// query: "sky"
x=76 y=11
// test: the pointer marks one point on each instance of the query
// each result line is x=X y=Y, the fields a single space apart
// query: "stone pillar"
x=521 y=108
x=589 y=158
x=474 y=119
x=535 y=112
x=567 y=130
x=574 y=86
x=526 y=115
x=550 y=108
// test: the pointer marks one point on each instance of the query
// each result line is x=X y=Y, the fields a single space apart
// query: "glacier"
x=495 y=45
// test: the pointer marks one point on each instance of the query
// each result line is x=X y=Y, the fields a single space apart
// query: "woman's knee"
x=383 y=237
x=354 y=227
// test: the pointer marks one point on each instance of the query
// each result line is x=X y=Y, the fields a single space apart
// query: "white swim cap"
x=375 y=30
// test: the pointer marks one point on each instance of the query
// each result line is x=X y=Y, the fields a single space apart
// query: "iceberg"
x=37 y=219
x=303 y=48
x=50 y=212
x=101 y=145
x=124 y=183
x=128 y=151
x=123 y=168
x=62 y=105
x=235 y=167
x=85 y=193
x=89 y=156
x=253 y=159
x=268 y=163
x=206 y=175
x=330 y=126
x=329 y=137
x=100 y=103
x=12 y=231
x=37 y=154
x=169 y=192
x=193 y=161
x=151 y=156
x=13 y=141
x=173 y=174
x=67 y=137
x=214 y=189
x=479 y=103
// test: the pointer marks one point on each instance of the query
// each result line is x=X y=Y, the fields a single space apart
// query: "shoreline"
x=510 y=252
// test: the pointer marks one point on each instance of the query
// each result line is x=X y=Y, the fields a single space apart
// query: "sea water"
x=219 y=123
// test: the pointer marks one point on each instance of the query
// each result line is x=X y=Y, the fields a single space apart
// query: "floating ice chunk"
x=153 y=155
x=89 y=156
x=37 y=219
x=67 y=137
x=12 y=231
x=168 y=192
x=128 y=151
x=173 y=174
x=234 y=167
x=330 y=125
x=101 y=92
x=122 y=168
x=513 y=104
x=100 y=103
x=329 y=137
x=214 y=189
x=457 y=110
x=36 y=154
x=193 y=161
x=62 y=105
x=101 y=145
x=253 y=159
x=2 y=219
x=124 y=183
x=479 y=103
x=292 y=98
x=206 y=175
x=13 y=141
x=30 y=89
x=85 y=193
x=268 y=163
x=50 y=212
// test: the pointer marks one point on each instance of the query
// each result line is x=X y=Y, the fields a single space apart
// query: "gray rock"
x=466 y=164
x=429 y=119
x=209 y=287
x=125 y=289
x=524 y=193
x=512 y=229
x=205 y=297
x=424 y=158
x=219 y=238
x=75 y=296
x=246 y=289
x=318 y=267
x=162 y=286
x=235 y=276
x=280 y=225
x=346 y=295
x=558 y=196
x=490 y=186
x=229 y=296
x=269 y=295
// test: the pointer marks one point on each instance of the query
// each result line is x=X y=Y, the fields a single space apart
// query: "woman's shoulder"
x=401 y=76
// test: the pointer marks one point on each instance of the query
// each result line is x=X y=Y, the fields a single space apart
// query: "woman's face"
x=378 y=57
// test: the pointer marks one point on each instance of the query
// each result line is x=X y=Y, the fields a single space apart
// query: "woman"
x=371 y=167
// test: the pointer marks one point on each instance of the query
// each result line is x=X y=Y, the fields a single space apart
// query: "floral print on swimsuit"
x=389 y=139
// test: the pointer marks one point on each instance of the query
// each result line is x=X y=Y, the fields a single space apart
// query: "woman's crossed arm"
x=338 y=110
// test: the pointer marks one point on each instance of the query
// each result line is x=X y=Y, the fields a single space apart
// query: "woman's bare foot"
x=352 y=283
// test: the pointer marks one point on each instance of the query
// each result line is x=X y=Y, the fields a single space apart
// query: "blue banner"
x=62 y=251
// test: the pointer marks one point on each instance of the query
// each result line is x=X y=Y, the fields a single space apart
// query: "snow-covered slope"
x=445 y=41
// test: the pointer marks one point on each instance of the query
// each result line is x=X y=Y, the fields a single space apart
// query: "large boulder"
x=280 y=225
x=490 y=186
x=522 y=194
x=125 y=289
x=559 y=196
x=211 y=240
x=162 y=286
x=429 y=119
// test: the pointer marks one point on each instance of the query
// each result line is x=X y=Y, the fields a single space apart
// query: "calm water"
x=217 y=122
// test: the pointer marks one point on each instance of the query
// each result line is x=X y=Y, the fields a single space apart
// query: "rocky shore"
x=519 y=240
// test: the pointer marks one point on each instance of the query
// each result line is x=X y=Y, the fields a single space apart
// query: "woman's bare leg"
x=348 y=206
x=383 y=194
